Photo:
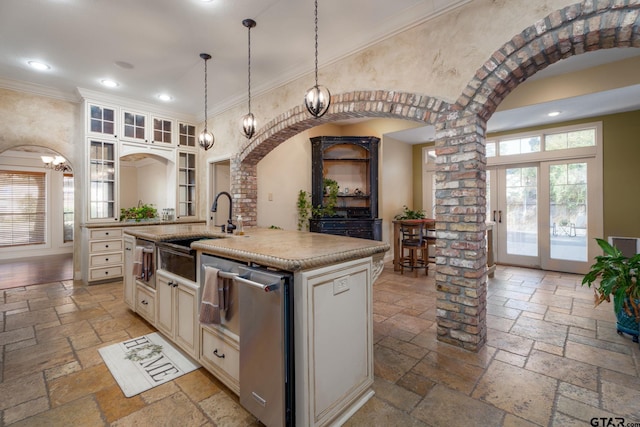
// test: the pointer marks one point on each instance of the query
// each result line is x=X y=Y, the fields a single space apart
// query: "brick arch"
x=356 y=104
x=460 y=144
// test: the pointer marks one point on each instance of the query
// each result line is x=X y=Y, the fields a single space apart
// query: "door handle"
x=494 y=215
x=500 y=216
x=217 y=354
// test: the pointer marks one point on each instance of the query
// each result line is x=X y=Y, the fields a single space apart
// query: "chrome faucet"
x=214 y=208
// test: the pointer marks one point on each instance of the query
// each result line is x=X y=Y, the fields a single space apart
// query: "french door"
x=546 y=213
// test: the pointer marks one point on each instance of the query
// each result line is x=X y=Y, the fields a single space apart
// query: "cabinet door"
x=162 y=131
x=134 y=126
x=102 y=120
x=103 y=174
x=129 y=280
x=186 y=135
x=165 y=303
x=186 y=184
x=186 y=311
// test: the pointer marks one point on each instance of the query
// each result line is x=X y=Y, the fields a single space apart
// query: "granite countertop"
x=282 y=249
x=142 y=223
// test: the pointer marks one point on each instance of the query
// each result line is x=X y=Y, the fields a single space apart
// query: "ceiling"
x=152 y=47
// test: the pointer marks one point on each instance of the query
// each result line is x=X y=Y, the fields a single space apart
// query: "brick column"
x=244 y=190
x=461 y=257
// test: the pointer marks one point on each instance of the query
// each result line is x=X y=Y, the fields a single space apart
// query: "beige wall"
x=620 y=152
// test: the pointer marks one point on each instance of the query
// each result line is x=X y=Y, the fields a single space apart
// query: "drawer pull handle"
x=106 y=272
x=107 y=233
x=106 y=259
x=144 y=302
x=217 y=355
x=106 y=246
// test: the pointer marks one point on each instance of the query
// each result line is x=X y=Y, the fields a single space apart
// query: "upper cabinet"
x=102 y=120
x=162 y=131
x=103 y=173
x=186 y=135
x=186 y=184
x=135 y=155
x=134 y=126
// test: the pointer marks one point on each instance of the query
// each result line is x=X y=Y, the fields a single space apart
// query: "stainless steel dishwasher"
x=266 y=345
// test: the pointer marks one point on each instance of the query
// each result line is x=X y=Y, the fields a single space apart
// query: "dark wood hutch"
x=352 y=161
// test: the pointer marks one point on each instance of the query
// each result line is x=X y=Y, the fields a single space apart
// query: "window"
x=22 y=208
x=67 y=202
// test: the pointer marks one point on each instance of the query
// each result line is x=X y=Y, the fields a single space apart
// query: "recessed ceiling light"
x=165 y=97
x=109 y=83
x=39 y=65
x=554 y=113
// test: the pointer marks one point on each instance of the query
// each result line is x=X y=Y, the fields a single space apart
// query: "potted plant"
x=139 y=213
x=304 y=209
x=618 y=278
x=409 y=214
x=328 y=210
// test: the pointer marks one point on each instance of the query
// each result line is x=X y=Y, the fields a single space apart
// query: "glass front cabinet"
x=103 y=173
x=186 y=184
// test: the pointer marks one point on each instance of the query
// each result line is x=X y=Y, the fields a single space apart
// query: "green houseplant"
x=138 y=213
x=618 y=278
x=409 y=214
x=304 y=210
x=331 y=200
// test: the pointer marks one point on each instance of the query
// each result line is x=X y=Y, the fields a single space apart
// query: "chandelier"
x=249 y=121
x=318 y=98
x=205 y=140
x=57 y=163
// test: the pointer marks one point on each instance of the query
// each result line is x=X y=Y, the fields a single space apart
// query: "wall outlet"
x=340 y=285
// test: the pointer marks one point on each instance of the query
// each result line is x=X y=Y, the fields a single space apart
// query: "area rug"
x=145 y=362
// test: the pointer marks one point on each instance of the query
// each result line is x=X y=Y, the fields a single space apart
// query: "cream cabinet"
x=102 y=189
x=177 y=309
x=186 y=135
x=333 y=342
x=105 y=256
x=220 y=354
x=162 y=132
x=145 y=303
x=134 y=126
x=129 y=280
x=186 y=184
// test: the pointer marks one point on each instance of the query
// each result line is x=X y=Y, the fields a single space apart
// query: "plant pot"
x=628 y=324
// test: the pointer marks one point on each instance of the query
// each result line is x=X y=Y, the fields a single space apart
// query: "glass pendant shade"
x=317 y=100
x=206 y=139
x=249 y=125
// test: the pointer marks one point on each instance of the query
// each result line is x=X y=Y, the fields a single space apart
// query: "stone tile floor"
x=551 y=360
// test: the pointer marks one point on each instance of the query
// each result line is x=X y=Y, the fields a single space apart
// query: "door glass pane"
x=522 y=211
x=568 y=211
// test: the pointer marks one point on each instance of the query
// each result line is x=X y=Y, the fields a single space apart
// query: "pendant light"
x=318 y=98
x=249 y=121
x=205 y=140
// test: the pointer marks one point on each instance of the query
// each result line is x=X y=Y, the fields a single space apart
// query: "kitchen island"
x=332 y=311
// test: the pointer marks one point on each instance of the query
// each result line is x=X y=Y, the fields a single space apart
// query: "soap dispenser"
x=240 y=229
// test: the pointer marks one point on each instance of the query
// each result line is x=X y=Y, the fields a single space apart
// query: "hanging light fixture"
x=205 y=139
x=318 y=98
x=57 y=163
x=249 y=121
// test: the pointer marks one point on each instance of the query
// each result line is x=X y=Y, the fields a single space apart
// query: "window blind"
x=22 y=208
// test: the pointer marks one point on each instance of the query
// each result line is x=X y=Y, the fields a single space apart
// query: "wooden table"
x=429 y=223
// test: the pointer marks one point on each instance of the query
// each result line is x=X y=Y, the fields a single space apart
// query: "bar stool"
x=414 y=248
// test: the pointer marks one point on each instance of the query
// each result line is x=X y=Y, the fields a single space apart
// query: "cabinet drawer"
x=221 y=352
x=146 y=304
x=106 y=245
x=105 y=259
x=105 y=233
x=105 y=273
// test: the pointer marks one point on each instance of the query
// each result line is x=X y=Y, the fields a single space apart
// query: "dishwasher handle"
x=267 y=287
